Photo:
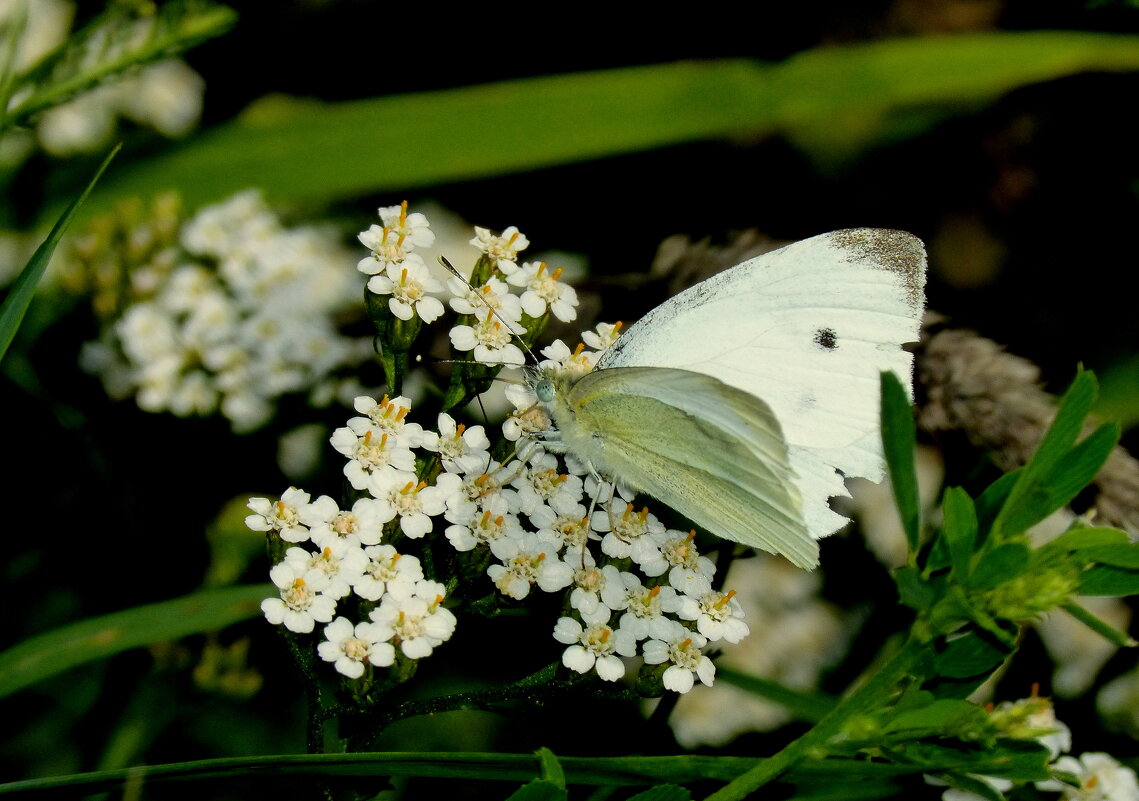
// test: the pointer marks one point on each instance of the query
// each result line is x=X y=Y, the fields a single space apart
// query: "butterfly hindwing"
x=711 y=452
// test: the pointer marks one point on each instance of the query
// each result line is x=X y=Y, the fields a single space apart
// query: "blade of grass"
x=24 y=287
x=55 y=651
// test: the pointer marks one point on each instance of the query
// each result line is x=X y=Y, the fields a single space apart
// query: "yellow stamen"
x=720 y=604
x=685 y=644
x=557 y=274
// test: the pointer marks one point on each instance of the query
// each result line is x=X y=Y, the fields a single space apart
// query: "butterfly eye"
x=544 y=389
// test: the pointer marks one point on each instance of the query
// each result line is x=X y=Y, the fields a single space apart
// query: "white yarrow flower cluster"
x=340 y=559
x=530 y=522
x=239 y=313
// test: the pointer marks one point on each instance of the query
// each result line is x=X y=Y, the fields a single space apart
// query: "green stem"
x=813 y=744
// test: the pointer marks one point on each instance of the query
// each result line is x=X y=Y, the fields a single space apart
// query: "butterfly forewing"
x=711 y=452
x=807 y=328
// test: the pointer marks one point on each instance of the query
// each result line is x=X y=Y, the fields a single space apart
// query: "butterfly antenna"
x=475 y=292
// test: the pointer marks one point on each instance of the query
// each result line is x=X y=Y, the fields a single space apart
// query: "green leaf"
x=1080 y=537
x=24 y=287
x=113 y=43
x=1108 y=580
x=998 y=565
x=959 y=529
x=991 y=501
x=969 y=656
x=1115 y=555
x=913 y=590
x=899 y=443
x=321 y=151
x=539 y=790
x=1058 y=470
x=940 y=716
x=55 y=651
x=663 y=792
x=551 y=767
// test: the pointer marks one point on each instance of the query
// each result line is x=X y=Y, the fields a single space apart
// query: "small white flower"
x=627 y=537
x=413 y=500
x=998 y=784
x=389 y=415
x=718 y=615
x=571 y=525
x=502 y=249
x=491 y=340
x=301 y=604
x=594 y=647
x=409 y=284
x=392 y=242
x=369 y=454
x=386 y=569
x=417 y=621
x=363 y=525
x=544 y=290
x=673 y=643
x=461 y=449
x=642 y=605
x=541 y=483
x=494 y=294
x=602 y=337
x=283 y=516
x=690 y=572
x=560 y=358
x=339 y=562
x=1100 y=777
x=480 y=522
x=412 y=228
x=353 y=648
x=528 y=558
x=589 y=581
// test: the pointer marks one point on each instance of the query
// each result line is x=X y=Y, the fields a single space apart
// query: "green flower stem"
x=303 y=656
x=872 y=693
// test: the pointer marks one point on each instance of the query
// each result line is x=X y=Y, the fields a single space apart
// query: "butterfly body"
x=743 y=401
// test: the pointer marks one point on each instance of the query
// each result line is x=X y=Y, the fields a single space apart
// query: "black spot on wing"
x=826 y=338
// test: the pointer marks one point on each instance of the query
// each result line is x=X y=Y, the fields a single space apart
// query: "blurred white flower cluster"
x=803 y=635
x=1093 y=776
x=227 y=312
x=512 y=516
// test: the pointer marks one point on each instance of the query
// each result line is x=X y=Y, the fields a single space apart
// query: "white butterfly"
x=743 y=401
